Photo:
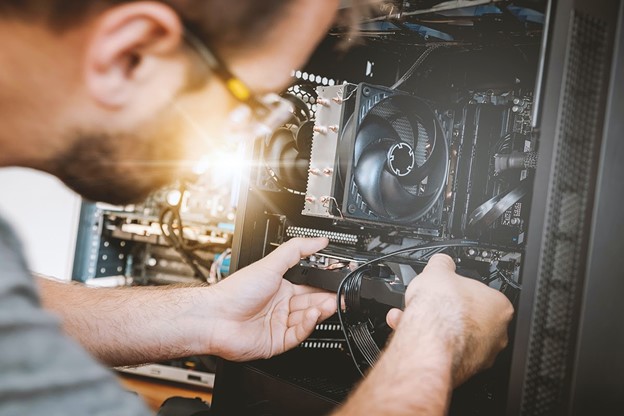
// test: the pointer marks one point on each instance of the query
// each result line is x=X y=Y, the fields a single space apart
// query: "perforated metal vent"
x=307 y=93
x=561 y=272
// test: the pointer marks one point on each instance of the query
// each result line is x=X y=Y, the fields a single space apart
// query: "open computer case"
x=493 y=132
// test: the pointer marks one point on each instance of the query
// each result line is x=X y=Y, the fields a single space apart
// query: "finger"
x=288 y=254
x=440 y=263
x=327 y=308
x=394 y=317
x=295 y=318
x=302 y=289
x=295 y=335
x=304 y=301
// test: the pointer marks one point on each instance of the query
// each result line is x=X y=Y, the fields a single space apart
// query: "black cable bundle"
x=359 y=333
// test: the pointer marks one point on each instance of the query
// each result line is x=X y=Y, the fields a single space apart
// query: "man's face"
x=132 y=122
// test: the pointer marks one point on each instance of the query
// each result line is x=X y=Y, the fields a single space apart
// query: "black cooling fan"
x=399 y=162
x=287 y=150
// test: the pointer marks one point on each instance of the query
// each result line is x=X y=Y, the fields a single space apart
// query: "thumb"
x=439 y=263
x=394 y=317
x=288 y=254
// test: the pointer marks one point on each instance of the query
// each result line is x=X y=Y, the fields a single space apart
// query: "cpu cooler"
x=287 y=150
x=392 y=157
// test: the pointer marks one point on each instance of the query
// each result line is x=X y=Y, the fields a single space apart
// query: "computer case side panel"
x=559 y=269
x=598 y=377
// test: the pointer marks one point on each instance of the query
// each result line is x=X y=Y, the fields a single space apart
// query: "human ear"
x=125 y=48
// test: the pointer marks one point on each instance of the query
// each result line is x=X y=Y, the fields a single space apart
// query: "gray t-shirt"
x=43 y=372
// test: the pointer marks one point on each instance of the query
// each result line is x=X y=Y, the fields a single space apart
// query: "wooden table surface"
x=155 y=392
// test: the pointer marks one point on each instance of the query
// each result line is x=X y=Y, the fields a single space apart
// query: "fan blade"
x=288 y=148
x=301 y=110
x=432 y=161
x=288 y=166
x=281 y=139
x=373 y=128
x=302 y=164
x=284 y=160
x=304 y=138
x=397 y=202
x=368 y=171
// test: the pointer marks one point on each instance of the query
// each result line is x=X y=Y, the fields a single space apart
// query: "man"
x=109 y=97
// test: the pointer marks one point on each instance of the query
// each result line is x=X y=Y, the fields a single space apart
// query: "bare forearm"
x=131 y=326
x=252 y=314
x=413 y=377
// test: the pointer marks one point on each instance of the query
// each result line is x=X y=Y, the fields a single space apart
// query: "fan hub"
x=401 y=159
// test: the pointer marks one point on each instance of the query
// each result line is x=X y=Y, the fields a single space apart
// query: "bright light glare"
x=221 y=165
x=173 y=197
x=202 y=166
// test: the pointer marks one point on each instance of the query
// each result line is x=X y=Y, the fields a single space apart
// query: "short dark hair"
x=235 y=23
x=219 y=22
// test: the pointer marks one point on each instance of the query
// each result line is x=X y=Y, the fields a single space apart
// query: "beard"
x=122 y=168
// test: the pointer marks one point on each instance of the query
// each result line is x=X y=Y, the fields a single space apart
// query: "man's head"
x=107 y=95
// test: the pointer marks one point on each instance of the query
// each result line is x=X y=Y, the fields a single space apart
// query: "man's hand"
x=260 y=313
x=451 y=328
x=471 y=317
x=254 y=313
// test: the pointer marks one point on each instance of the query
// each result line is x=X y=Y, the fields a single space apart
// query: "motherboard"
x=420 y=141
